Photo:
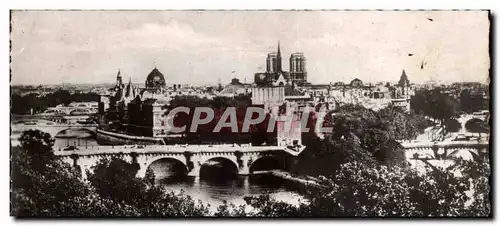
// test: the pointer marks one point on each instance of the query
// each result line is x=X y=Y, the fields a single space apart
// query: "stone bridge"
x=192 y=157
x=443 y=154
x=245 y=157
x=469 y=150
x=464 y=118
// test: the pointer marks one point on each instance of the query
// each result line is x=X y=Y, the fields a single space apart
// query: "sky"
x=207 y=47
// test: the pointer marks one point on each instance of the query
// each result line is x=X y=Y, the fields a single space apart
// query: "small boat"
x=30 y=123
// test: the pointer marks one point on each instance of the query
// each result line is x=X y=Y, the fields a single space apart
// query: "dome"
x=155 y=79
x=356 y=82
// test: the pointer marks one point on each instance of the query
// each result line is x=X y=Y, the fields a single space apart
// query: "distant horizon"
x=333 y=82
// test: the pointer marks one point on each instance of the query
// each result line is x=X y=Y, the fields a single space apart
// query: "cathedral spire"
x=118 y=79
x=130 y=89
x=279 y=51
x=279 y=58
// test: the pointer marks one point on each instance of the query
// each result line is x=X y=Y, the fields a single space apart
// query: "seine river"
x=214 y=192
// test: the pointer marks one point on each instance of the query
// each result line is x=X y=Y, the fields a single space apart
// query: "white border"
x=213 y=4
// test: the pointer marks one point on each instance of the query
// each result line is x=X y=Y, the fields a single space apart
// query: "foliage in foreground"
x=366 y=191
x=45 y=186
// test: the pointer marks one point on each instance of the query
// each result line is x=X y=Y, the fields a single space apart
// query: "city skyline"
x=211 y=46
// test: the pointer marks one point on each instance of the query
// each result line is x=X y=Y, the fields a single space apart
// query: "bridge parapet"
x=52 y=128
x=192 y=156
x=444 y=144
x=169 y=149
x=447 y=150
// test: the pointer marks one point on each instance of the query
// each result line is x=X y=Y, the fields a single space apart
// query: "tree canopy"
x=44 y=186
x=472 y=103
x=435 y=104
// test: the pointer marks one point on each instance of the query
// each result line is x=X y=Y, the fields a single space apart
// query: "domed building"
x=356 y=82
x=155 y=80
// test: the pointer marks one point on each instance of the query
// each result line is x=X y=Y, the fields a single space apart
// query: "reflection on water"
x=218 y=182
x=216 y=191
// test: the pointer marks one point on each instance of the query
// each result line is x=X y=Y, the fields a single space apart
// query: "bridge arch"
x=218 y=167
x=268 y=162
x=69 y=131
x=167 y=167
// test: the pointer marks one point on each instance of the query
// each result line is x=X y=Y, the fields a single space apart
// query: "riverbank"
x=104 y=137
x=303 y=180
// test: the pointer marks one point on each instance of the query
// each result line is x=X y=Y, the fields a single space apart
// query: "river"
x=214 y=192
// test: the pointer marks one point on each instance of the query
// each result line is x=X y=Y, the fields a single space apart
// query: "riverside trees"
x=363 y=175
x=359 y=189
x=435 y=104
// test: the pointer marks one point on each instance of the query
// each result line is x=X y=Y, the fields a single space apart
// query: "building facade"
x=298 y=73
x=376 y=96
x=139 y=111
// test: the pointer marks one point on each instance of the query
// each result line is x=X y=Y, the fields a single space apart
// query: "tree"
x=472 y=103
x=231 y=210
x=359 y=135
x=435 y=104
x=115 y=179
x=42 y=185
x=401 y=125
x=362 y=190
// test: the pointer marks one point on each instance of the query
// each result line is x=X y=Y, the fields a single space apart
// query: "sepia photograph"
x=250 y=114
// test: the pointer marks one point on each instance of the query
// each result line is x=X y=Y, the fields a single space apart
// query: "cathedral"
x=274 y=74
